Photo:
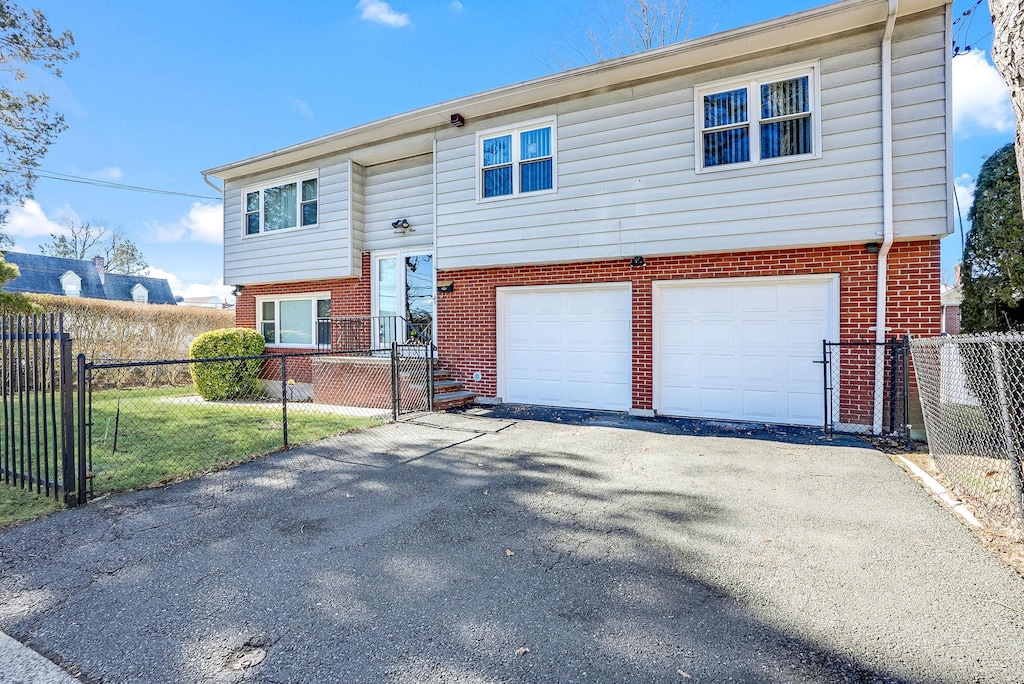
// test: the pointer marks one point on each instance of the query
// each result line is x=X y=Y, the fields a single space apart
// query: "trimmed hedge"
x=226 y=379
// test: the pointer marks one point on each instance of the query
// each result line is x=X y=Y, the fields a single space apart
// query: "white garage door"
x=744 y=348
x=566 y=346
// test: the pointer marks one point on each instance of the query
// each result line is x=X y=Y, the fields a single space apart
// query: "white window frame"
x=312 y=174
x=753 y=83
x=140 y=295
x=72 y=279
x=524 y=127
x=277 y=299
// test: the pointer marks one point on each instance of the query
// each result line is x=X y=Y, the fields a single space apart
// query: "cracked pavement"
x=637 y=555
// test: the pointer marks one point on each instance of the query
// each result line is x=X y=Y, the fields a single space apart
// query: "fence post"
x=906 y=392
x=83 y=479
x=67 y=421
x=395 y=393
x=430 y=376
x=1012 y=453
x=284 y=399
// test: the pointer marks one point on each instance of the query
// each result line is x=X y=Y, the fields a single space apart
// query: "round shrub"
x=226 y=379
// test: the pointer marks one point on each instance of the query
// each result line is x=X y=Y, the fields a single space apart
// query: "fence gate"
x=850 y=372
x=37 y=383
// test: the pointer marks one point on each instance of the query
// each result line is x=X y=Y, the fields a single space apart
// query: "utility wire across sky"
x=69 y=178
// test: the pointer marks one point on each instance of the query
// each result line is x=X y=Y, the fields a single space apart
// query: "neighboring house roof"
x=412 y=131
x=952 y=295
x=42 y=275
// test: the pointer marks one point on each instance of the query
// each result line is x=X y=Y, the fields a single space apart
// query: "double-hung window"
x=281 y=205
x=292 y=321
x=766 y=118
x=517 y=161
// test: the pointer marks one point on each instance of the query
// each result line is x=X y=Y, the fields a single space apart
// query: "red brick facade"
x=466 y=325
x=466 y=318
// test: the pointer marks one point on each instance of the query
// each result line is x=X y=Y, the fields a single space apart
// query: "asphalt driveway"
x=439 y=550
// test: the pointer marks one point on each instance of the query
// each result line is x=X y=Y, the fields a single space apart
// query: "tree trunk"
x=1008 y=55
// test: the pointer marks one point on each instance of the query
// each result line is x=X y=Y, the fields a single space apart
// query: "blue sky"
x=163 y=90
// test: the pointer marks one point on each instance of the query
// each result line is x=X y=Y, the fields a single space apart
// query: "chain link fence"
x=146 y=423
x=852 y=370
x=972 y=391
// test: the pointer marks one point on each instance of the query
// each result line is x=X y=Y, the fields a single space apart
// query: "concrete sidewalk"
x=438 y=549
x=21 y=665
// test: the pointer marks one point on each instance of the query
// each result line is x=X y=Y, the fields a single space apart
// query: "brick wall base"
x=466 y=325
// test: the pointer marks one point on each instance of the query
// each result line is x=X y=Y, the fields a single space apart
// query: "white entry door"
x=566 y=345
x=744 y=348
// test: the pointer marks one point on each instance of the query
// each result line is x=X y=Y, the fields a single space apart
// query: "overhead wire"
x=96 y=182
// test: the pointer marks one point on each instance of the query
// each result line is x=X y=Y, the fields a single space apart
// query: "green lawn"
x=170 y=433
x=18 y=506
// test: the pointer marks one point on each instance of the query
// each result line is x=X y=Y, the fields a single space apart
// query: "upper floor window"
x=770 y=117
x=281 y=205
x=140 y=295
x=71 y=283
x=517 y=161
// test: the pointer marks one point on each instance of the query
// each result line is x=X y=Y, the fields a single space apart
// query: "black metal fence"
x=37 y=451
x=236 y=408
x=855 y=373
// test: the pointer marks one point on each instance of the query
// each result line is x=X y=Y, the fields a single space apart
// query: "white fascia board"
x=774 y=34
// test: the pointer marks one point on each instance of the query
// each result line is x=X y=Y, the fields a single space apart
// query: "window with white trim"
x=766 y=118
x=281 y=205
x=516 y=161
x=293 y=321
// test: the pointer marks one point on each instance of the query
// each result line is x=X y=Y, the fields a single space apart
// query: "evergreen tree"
x=993 y=270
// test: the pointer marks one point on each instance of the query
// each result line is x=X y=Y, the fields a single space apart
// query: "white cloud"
x=456 y=6
x=302 y=107
x=381 y=12
x=203 y=223
x=214 y=288
x=30 y=221
x=964 y=186
x=110 y=173
x=981 y=101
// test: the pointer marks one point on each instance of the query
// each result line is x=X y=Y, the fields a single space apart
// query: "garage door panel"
x=760 y=334
x=760 y=404
x=743 y=350
x=715 y=333
x=717 y=368
x=715 y=300
x=760 y=299
x=760 y=370
x=567 y=346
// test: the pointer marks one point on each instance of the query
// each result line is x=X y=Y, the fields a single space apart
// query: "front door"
x=403 y=297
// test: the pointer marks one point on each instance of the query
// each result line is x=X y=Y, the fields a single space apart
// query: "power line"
x=69 y=178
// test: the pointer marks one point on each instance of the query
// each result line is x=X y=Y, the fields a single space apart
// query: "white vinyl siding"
x=627 y=179
x=300 y=253
x=396 y=190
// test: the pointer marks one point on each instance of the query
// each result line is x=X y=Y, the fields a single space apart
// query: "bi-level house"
x=673 y=232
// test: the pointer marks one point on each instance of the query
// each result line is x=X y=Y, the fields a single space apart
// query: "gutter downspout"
x=887 y=217
x=206 y=180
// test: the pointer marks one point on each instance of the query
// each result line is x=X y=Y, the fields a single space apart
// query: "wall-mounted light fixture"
x=445 y=286
x=401 y=226
x=638 y=262
x=458 y=121
x=872 y=248
x=237 y=291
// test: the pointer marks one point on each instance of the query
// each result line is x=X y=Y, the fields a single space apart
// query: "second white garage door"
x=566 y=345
x=744 y=348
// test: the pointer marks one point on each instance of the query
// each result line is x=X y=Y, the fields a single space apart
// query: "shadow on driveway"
x=434 y=549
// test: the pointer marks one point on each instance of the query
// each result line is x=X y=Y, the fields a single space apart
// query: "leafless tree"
x=85 y=240
x=1008 y=55
x=615 y=28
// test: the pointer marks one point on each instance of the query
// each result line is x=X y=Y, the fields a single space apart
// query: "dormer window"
x=71 y=283
x=280 y=205
x=140 y=295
